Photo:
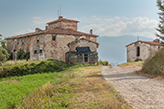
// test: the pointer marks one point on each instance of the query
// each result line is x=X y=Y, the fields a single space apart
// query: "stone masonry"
x=142 y=50
x=51 y=42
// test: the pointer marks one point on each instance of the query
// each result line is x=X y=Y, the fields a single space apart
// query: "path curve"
x=139 y=91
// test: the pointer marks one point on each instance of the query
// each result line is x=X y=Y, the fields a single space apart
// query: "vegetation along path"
x=139 y=91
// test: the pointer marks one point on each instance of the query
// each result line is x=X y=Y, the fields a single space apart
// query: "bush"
x=103 y=63
x=155 y=65
x=22 y=55
x=19 y=69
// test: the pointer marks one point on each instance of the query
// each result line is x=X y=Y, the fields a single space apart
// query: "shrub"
x=155 y=65
x=100 y=62
x=22 y=55
x=103 y=63
x=19 y=69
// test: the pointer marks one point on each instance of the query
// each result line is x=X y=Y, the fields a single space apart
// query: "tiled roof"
x=62 y=19
x=54 y=31
x=83 y=39
x=147 y=42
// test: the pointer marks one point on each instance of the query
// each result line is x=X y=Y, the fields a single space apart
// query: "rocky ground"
x=139 y=91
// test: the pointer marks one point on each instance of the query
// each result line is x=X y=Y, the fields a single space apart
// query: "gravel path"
x=139 y=91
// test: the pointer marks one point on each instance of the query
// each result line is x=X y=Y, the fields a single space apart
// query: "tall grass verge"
x=14 y=89
x=89 y=90
x=155 y=65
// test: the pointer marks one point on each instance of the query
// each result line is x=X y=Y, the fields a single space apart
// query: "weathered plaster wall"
x=57 y=49
x=64 y=25
x=37 y=45
x=84 y=43
x=93 y=39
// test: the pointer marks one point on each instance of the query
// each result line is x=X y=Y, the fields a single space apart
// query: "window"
x=138 y=51
x=77 y=38
x=17 y=41
x=40 y=51
x=53 y=37
x=37 y=38
x=85 y=57
x=22 y=41
x=35 y=51
x=12 y=42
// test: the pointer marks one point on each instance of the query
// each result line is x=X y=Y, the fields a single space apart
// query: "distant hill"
x=113 y=50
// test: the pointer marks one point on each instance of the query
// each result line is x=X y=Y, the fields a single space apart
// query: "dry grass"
x=132 y=64
x=94 y=92
x=18 y=62
x=87 y=90
x=152 y=76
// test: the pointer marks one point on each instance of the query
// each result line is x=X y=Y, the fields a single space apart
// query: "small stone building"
x=142 y=50
x=51 y=42
x=83 y=51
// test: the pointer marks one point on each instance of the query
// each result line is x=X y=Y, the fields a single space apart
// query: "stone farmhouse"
x=142 y=50
x=60 y=40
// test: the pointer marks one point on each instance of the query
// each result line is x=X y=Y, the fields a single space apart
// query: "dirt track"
x=139 y=91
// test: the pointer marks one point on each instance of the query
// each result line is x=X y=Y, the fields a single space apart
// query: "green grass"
x=87 y=90
x=13 y=92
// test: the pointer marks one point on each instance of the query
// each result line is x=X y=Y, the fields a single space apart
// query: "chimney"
x=46 y=27
x=90 y=31
x=60 y=17
x=38 y=30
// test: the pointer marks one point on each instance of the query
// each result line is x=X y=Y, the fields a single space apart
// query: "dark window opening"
x=53 y=37
x=77 y=38
x=35 y=51
x=14 y=50
x=17 y=41
x=22 y=41
x=40 y=51
x=138 y=51
x=37 y=38
x=85 y=58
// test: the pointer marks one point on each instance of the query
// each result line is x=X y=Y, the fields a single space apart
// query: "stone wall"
x=45 y=47
x=84 y=43
x=57 y=49
x=146 y=51
x=64 y=25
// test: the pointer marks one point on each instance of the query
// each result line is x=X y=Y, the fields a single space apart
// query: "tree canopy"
x=160 y=29
x=4 y=55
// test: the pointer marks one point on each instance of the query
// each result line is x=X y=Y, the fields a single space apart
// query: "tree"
x=3 y=43
x=160 y=29
x=4 y=55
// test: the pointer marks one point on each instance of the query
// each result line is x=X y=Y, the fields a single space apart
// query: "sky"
x=105 y=17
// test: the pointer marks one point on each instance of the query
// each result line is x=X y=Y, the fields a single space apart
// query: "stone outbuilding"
x=142 y=50
x=53 y=41
x=83 y=51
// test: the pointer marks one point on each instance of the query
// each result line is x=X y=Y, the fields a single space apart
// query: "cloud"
x=40 y=21
x=139 y=26
x=24 y=31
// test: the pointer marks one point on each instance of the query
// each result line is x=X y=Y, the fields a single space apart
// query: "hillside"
x=79 y=86
x=112 y=49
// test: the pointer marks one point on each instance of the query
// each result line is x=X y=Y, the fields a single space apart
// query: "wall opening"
x=85 y=57
x=138 y=51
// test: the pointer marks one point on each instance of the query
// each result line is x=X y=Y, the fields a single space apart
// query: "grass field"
x=87 y=89
x=13 y=89
x=132 y=64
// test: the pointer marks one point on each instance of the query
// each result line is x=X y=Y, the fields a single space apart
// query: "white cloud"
x=139 y=26
x=24 y=31
x=40 y=21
